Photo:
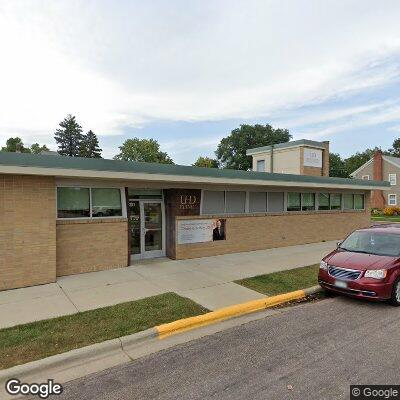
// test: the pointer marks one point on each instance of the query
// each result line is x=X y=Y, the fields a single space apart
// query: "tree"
x=89 y=146
x=36 y=148
x=337 y=166
x=395 y=151
x=69 y=137
x=231 y=151
x=15 y=144
x=355 y=161
x=146 y=150
x=206 y=162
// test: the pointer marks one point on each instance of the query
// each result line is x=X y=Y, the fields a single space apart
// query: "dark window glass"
x=293 y=202
x=73 y=202
x=106 y=203
x=323 y=201
x=359 y=201
x=348 y=201
x=308 y=201
x=336 y=201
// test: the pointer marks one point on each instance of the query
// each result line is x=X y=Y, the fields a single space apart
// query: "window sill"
x=71 y=221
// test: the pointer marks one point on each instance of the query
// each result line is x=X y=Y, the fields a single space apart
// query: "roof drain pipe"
x=271 y=169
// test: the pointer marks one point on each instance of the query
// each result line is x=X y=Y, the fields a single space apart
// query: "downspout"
x=271 y=168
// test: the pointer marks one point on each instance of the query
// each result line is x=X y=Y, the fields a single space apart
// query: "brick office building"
x=62 y=215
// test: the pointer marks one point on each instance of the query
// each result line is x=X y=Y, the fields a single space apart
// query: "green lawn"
x=394 y=218
x=283 y=281
x=37 y=340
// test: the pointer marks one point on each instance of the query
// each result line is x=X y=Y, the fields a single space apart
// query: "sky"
x=188 y=72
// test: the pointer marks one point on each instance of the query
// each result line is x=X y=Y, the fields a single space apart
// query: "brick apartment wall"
x=91 y=245
x=27 y=231
x=256 y=232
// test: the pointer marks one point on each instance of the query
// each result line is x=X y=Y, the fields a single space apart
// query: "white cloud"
x=117 y=64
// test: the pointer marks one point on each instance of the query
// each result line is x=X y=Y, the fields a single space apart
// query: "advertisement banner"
x=201 y=230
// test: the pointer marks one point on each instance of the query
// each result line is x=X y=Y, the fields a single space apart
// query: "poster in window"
x=219 y=229
x=201 y=230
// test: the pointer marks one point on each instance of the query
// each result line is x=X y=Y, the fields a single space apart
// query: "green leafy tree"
x=15 y=144
x=36 y=148
x=231 y=151
x=395 y=150
x=337 y=166
x=69 y=137
x=145 y=150
x=355 y=161
x=206 y=162
x=89 y=146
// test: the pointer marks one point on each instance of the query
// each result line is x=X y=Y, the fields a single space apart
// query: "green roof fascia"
x=100 y=164
x=294 y=143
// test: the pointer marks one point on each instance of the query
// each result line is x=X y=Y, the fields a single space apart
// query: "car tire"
x=330 y=293
x=395 y=299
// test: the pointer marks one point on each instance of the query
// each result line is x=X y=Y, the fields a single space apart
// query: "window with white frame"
x=392 y=199
x=392 y=179
x=365 y=177
x=80 y=202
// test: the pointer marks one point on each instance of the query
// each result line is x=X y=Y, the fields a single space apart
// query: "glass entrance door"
x=146 y=228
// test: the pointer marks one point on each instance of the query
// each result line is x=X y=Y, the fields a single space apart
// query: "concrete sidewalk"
x=208 y=281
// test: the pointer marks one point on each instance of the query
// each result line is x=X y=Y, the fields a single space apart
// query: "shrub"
x=392 y=210
x=376 y=211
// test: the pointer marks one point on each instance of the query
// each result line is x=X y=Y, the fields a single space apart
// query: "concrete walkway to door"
x=208 y=281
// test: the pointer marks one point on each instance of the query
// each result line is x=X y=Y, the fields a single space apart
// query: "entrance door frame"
x=152 y=253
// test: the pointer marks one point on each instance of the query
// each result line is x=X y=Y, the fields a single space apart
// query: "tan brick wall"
x=91 y=245
x=27 y=231
x=256 y=232
x=312 y=171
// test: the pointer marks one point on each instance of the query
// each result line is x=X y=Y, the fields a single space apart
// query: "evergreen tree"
x=69 y=137
x=90 y=146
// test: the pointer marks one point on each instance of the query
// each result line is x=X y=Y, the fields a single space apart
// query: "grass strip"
x=36 y=340
x=283 y=281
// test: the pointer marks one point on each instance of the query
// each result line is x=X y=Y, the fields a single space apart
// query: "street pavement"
x=309 y=351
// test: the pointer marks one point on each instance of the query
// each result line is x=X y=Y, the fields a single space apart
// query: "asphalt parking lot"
x=310 y=351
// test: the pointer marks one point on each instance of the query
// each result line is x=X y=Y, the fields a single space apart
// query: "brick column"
x=325 y=159
x=378 y=200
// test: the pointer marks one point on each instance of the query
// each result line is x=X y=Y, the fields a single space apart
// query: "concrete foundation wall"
x=256 y=232
x=27 y=231
x=91 y=245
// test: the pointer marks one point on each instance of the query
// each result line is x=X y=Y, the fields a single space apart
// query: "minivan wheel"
x=395 y=299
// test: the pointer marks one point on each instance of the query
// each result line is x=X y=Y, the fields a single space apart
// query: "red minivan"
x=366 y=265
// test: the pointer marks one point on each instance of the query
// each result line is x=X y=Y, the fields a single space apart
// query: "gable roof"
x=294 y=143
x=60 y=166
x=390 y=159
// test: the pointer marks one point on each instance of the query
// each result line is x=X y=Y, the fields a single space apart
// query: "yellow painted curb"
x=186 y=324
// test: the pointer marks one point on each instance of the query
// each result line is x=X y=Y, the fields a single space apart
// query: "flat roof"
x=61 y=166
x=294 y=143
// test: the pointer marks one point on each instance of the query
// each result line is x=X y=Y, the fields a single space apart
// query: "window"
x=235 y=202
x=73 y=202
x=293 y=201
x=323 y=201
x=213 y=202
x=307 y=201
x=365 y=177
x=392 y=179
x=348 y=201
x=359 y=202
x=78 y=202
x=336 y=201
x=275 y=202
x=261 y=166
x=106 y=203
x=257 y=201
x=392 y=199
